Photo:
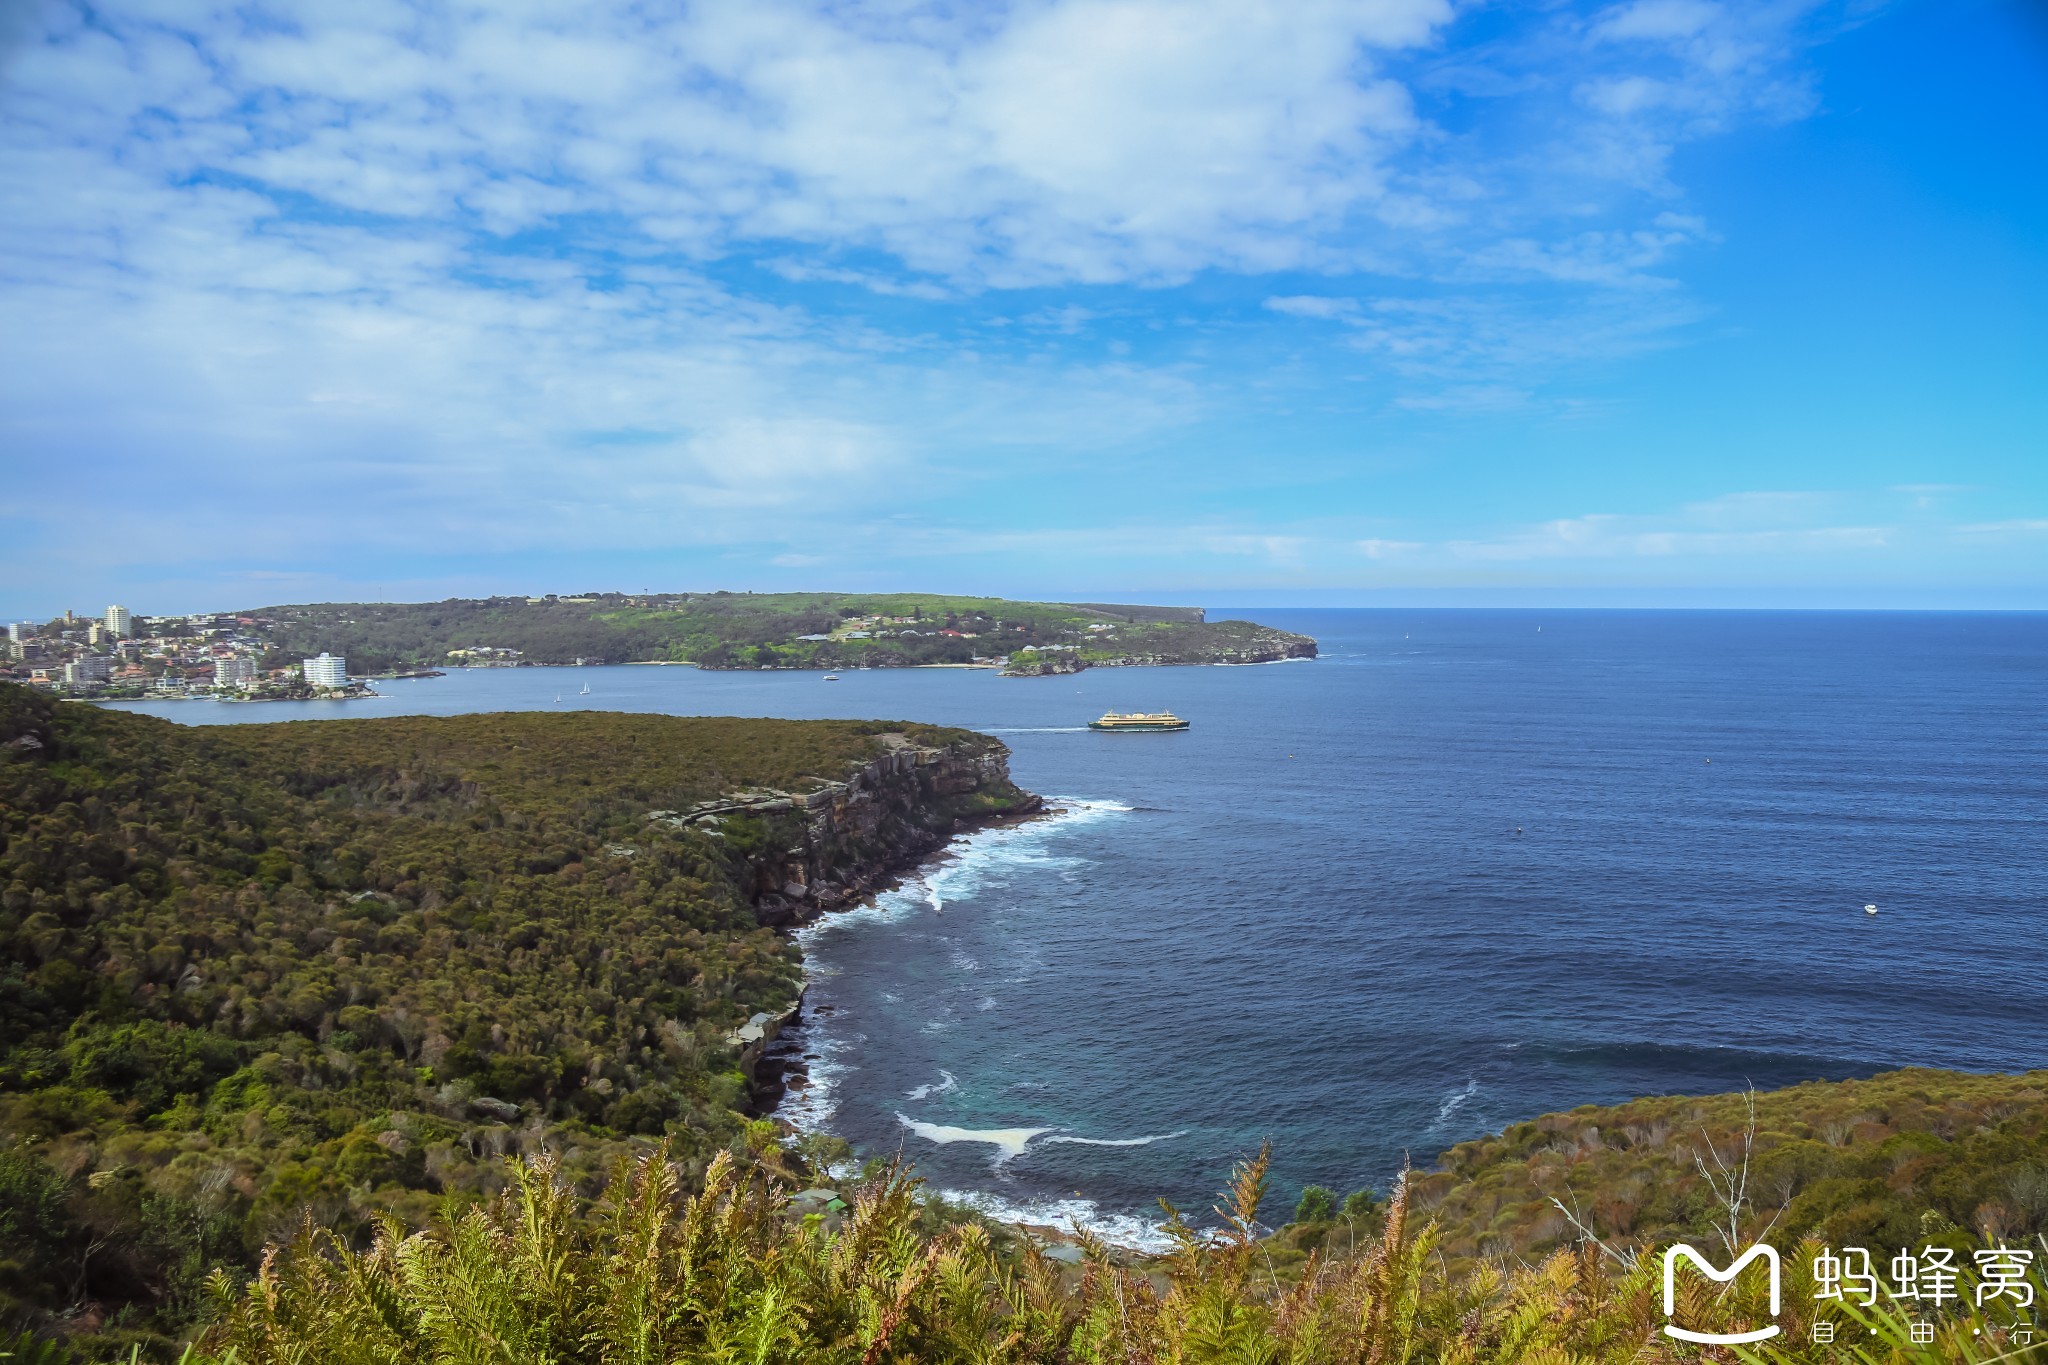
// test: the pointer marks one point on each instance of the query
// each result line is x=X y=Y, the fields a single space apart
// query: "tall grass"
x=656 y=1276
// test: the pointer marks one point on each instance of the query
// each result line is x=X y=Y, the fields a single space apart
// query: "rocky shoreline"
x=837 y=845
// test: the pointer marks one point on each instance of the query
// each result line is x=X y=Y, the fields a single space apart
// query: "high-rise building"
x=238 y=671
x=325 y=670
x=86 y=669
x=18 y=631
x=120 y=621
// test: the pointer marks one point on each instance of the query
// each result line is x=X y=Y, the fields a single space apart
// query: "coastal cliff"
x=825 y=844
x=900 y=807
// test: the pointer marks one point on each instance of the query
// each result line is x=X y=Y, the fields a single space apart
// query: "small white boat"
x=585 y=692
x=831 y=677
x=1869 y=909
x=558 y=698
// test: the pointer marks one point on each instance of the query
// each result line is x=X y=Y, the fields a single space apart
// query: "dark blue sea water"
x=1467 y=867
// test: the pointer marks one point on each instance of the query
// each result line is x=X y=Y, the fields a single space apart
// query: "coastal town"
x=118 y=654
x=336 y=650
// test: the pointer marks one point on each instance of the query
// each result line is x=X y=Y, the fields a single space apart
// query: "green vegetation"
x=1893 y=1161
x=766 y=630
x=740 y=1272
x=436 y=1008
x=341 y=967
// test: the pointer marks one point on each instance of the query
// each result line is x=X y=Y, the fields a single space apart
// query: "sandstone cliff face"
x=828 y=847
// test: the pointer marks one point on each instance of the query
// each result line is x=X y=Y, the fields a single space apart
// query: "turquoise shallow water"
x=1465 y=868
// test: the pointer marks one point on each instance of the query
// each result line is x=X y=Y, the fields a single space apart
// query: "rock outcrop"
x=1043 y=663
x=825 y=848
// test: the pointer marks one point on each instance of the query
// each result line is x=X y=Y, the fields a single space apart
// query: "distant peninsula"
x=730 y=630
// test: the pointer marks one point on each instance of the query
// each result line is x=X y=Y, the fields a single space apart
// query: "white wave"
x=986 y=860
x=987 y=1002
x=1129 y=1230
x=1036 y=730
x=1014 y=1141
x=945 y=1083
x=1452 y=1104
x=812 y=1107
x=1011 y=1142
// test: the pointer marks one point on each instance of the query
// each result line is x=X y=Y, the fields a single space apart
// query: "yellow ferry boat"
x=1138 y=720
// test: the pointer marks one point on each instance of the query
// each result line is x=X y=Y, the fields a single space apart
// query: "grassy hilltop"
x=769 y=630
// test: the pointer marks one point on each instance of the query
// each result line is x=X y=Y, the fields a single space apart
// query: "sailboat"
x=585 y=692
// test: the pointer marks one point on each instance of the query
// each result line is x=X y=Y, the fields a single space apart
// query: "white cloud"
x=546 y=275
x=1388 y=549
x=1776 y=523
x=2019 y=526
x=1664 y=20
x=1313 y=306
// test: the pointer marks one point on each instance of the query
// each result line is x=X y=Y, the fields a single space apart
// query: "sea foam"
x=983 y=860
x=1453 y=1103
x=1009 y=1142
x=1014 y=1142
x=1132 y=1231
x=943 y=1084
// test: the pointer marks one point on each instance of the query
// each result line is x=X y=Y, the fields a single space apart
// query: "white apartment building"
x=238 y=671
x=120 y=622
x=325 y=670
x=18 y=631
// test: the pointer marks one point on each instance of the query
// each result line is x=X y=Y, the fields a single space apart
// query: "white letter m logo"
x=1770 y=1255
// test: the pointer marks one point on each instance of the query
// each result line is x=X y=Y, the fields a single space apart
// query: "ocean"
x=1466 y=868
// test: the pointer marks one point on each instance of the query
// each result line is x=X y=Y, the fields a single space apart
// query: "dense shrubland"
x=1877 y=1163
x=251 y=972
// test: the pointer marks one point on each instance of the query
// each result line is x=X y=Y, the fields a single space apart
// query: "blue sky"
x=1663 y=302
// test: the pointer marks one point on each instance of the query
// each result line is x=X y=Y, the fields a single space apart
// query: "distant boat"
x=1138 y=720
x=558 y=698
x=831 y=677
x=585 y=692
x=1869 y=909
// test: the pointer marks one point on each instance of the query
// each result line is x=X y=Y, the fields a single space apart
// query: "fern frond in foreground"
x=733 y=1274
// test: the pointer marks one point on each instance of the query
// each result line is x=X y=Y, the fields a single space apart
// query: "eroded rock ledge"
x=805 y=852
